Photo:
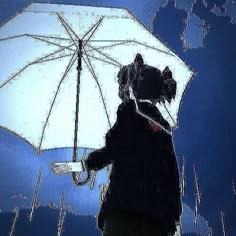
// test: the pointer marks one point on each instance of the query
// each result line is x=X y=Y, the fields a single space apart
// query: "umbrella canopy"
x=38 y=81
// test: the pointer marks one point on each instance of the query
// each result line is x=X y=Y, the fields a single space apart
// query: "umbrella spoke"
x=108 y=40
x=93 y=29
x=89 y=65
x=35 y=36
x=32 y=63
x=110 y=46
x=49 y=37
x=110 y=58
x=55 y=58
x=69 y=66
x=170 y=115
x=153 y=48
x=55 y=44
x=68 y=28
x=14 y=37
x=99 y=59
x=131 y=41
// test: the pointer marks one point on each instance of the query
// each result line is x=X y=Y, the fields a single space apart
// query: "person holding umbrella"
x=143 y=197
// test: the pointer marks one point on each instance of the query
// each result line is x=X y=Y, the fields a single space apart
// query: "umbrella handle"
x=76 y=176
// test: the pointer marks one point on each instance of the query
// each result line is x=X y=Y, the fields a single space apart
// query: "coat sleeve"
x=117 y=140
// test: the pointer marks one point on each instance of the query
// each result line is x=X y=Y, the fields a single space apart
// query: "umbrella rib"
x=66 y=26
x=38 y=38
x=110 y=63
x=112 y=45
x=69 y=66
x=73 y=32
x=93 y=29
x=105 y=55
x=49 y=37
x=134 y=41
x=13 y=37
x=153 y=48
x=108 y=40
x=69 y=27
x=30 y=64
x=32 y=35
x=170 y=114
x=55 y=44
x=55 y=58
x=99 y=87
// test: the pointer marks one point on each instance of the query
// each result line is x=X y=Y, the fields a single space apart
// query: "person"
x=160 y=86
x=131 y=76
x=143 y=197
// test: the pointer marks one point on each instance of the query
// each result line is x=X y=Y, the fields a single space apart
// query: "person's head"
x=132 y=96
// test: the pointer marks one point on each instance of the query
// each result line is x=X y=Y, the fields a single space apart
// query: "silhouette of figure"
x=156 y=86
x=143 y=197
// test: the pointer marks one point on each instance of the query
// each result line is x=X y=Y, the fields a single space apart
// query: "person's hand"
x=67 y=167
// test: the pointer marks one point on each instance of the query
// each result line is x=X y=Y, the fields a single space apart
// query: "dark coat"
x=144 y=177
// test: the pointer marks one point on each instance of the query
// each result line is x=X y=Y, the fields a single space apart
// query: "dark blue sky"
x=207 y=118
x=206 y=133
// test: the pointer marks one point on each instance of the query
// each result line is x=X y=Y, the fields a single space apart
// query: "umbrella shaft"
x=77 y=104
x=76 y=119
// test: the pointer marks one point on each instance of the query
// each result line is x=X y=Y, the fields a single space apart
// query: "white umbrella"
x=42 y=50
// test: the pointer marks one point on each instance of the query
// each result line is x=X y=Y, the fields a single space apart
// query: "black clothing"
x=144 y=179
x=120 y=223
x=147 y=83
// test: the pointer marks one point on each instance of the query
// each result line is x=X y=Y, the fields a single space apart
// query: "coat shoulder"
x=128 y=105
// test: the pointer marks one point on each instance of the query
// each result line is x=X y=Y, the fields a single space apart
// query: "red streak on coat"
x=154 y=126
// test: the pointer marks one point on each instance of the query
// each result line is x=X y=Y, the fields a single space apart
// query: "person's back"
x=143 y=197
x=144 y=181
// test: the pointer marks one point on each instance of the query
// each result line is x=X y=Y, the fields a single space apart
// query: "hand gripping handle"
x=75 y=168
